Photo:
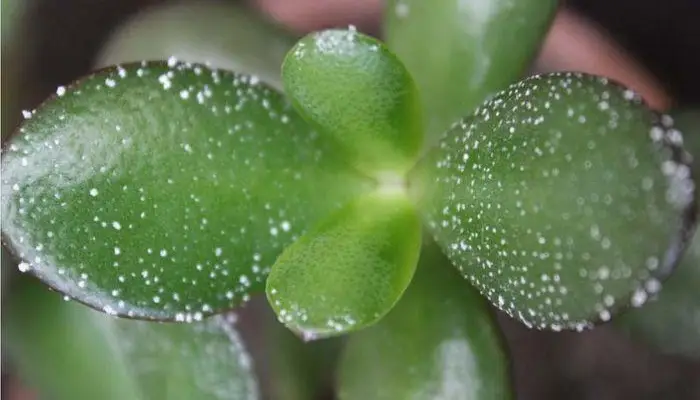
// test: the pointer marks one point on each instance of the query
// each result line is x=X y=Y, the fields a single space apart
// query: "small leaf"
x=352 y=87
x=670 y=321
x=459 y=52
x=228 y=36
x=350 y=270
x=68 y=351
x=561 y=199
x=165 y=191
x=439 y=342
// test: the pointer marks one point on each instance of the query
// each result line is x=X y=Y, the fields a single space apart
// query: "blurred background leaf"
x=441 y=341
x=68 y=351
x=460 y=52
x=225 y=35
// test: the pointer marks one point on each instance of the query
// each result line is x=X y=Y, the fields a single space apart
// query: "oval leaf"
x=670 y=322
x=227 y=36
x=350 y=270
x=562 y=199
x=439 y=342
x=459 y=52
x=68 y=351
x=165 y=191
x=353 y=88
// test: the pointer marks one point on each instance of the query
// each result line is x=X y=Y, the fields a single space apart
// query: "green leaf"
x=68 y=351
x=459 y=52
x=165 y=191
x=350 y=270
x=353 y=88
x=439 y=342
x=562 y=199
x=670 y=321
x=228 y=36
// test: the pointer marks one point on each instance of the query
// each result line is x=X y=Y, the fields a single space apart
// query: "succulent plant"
x=375 y=190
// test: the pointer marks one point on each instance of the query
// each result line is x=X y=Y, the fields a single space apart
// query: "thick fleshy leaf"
x=68 y=351
x=350 y=270
x=227 y=36
x=461 y=51
x=441 y=341
x=670 y=321
x=353 y=88
x=562 y=199
x=165 y=191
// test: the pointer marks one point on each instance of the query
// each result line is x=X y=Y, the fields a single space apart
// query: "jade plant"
x=375 y=189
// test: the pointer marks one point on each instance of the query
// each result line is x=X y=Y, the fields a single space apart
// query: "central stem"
x=391 y=183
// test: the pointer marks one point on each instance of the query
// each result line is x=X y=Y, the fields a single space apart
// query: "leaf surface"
x=350 y=270
x=670 y=321
x=354 y=89
x=562 y=199
x=462 y=51
x=441 y=341
x=165 y=191
x=224 y=35
x=68 y=351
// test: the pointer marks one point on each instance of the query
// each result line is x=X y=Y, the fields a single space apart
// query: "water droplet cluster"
x=331 y=42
